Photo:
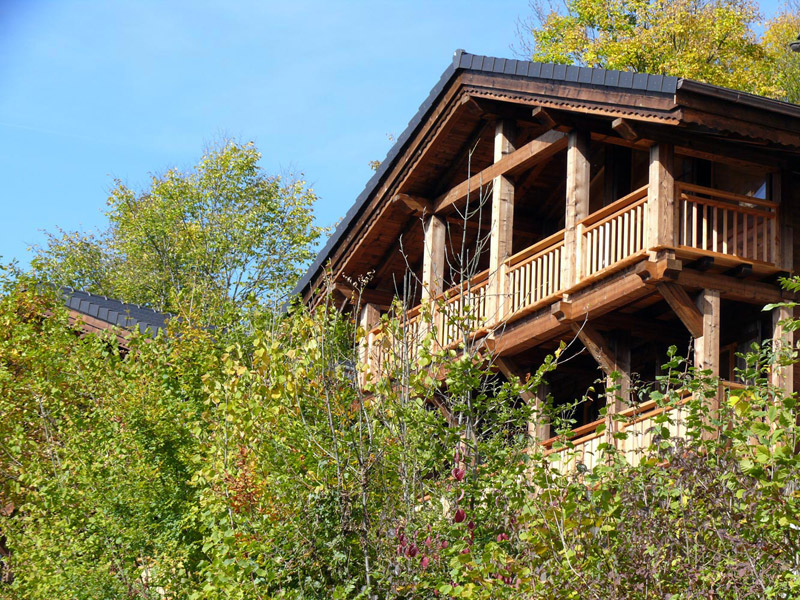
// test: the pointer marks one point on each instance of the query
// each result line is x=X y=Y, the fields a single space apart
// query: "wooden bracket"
x=624 y=129
x=562 y=310
x=508 y=368
x=653 y=272
x=541 y=115
x=683 y=306
x=596 y=344
x=416 y=203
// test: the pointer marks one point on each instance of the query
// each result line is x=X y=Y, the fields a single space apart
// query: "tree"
x=707 y=40
x=205 y=241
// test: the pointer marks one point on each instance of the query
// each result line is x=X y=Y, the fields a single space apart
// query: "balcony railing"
x=534 y=275
x=725 y=223
x=640 y=425
x=613 y=233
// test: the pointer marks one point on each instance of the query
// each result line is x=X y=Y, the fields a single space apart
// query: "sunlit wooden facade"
x=632 y=211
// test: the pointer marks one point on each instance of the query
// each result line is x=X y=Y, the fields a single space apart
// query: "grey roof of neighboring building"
x=114 y=312
x=582 y=76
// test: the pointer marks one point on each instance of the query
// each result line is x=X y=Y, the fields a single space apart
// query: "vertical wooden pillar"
x=784 y=233
x=782 y=376
x=577 y=203
x=369 y=318
x=661 y=206
x=618 y=390
x=433 y=260
x=502 y=231
x=706 y=347
x=539 y=430
x=620 y=399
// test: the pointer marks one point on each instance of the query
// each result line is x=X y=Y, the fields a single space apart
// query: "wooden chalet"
x=630 y=210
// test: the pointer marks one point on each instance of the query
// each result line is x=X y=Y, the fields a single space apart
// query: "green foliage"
x=706 y=40
x=258 y=468
x=205 y=242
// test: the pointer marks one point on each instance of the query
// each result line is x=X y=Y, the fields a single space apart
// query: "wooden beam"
x=731 y=288
x=433 y=259
x=416 y=203
x=542 y=148
x=502 y=230
x=661 y=197
x=625 y=129
x=683 y=306
x=543 y=116
x=578 y=188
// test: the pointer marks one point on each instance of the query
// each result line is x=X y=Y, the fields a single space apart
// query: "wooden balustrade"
x=452 y=311
x=534 y=275
x=639 y=423
x=613 y=233
x=464 y=308
x=726 y=223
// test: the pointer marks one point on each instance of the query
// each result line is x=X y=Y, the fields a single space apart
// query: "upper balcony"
x=709 y=225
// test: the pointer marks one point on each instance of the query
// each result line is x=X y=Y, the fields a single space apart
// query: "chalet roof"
x=582 y=77
x=114 y=312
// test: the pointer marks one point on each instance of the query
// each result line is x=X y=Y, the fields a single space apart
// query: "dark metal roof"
x=582 y=76
x=114 y=312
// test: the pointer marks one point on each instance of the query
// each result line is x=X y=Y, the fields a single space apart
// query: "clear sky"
x=91 y=91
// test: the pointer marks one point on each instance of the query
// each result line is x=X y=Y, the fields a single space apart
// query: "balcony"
x=730 y=228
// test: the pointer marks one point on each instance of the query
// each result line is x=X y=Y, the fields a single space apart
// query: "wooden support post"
x=502 y=230
x=706 y=347
x=577 y=203
x=369 y=318
x=620 y=399
x=433 y=259
x=784 y=242
x=661 y=218
x=782 y=376
x=539 y=430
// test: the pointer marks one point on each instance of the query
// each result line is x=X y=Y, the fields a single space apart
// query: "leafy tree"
x=707 y=40
x=259 y=470
x=205 y=241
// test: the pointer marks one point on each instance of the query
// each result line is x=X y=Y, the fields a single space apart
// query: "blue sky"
x=93 y=91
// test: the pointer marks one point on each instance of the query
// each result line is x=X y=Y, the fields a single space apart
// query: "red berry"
x=460 y=516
